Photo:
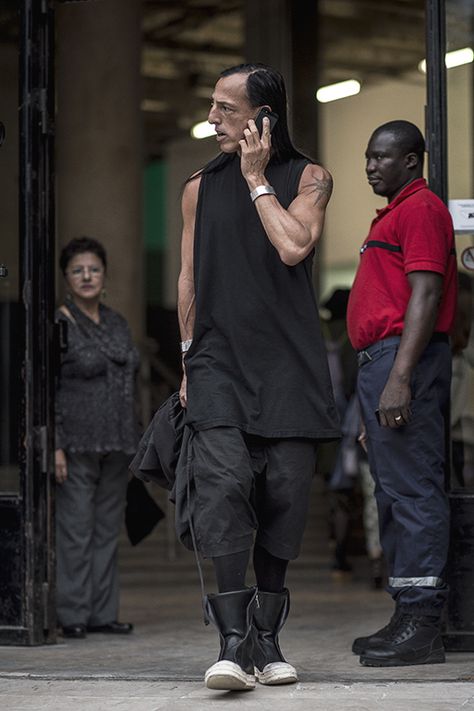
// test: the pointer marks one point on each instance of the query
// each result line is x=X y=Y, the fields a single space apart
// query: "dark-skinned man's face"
x=387 y=166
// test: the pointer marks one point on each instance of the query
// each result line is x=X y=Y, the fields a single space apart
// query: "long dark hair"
x=265 y=87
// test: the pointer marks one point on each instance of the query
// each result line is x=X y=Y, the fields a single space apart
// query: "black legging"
x=270 y=572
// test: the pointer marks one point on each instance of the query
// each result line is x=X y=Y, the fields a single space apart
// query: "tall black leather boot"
x=269 y=617
x=414 y=639
x=232 y=614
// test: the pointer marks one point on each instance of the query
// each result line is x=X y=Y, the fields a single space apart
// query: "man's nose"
x=369 y=165
x=212 y=116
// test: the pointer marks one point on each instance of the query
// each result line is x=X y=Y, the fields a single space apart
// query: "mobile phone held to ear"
x=271 y=115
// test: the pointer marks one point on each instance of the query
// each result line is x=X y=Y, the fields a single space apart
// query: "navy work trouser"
x=408 y=468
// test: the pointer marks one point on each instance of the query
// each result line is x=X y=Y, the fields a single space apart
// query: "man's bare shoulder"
x=316 y=177
x=316 y=182
x=191 y=192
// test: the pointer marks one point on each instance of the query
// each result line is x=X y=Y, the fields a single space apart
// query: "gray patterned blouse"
x=95 y=401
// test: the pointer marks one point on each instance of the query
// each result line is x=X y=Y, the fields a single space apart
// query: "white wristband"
x=262 y=190
x=186 y=345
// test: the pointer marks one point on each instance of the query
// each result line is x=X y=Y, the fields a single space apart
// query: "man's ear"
x=411 y=161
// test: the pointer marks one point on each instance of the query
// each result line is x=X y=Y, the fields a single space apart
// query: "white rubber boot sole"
x=277 y=673
x=228 y=676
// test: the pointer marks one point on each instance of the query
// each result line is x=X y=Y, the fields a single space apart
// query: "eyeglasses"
x=78 y=272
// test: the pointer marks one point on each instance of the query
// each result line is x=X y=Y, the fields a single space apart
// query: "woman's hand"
x=60 y=466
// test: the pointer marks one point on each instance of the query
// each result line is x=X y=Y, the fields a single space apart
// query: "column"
x=99 y=142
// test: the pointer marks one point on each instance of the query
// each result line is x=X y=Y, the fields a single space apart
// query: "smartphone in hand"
x=272 y=117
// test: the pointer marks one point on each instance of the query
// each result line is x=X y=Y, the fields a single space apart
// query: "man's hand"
x=420 y=320
x=255 y=153
x=394 y=404
x=60 y=466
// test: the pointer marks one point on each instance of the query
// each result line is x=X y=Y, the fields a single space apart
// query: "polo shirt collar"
x=411 y=188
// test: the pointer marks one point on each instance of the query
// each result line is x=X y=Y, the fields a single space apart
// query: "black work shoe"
x=361 y=644
x=112 y=628
x=74 y=631
x=413 y=640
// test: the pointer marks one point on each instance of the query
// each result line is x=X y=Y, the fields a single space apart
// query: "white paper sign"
x=462 y=212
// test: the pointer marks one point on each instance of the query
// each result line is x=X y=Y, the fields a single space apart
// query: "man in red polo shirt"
x=400 y=312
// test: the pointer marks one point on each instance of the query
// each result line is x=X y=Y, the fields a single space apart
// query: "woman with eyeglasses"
x=96 y=435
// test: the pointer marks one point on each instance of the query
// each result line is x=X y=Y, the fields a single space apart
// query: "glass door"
x=26 y=303
x=459 y=15
x=460 y=170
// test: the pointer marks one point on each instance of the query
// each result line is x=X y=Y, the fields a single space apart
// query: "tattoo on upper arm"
x=322 y=187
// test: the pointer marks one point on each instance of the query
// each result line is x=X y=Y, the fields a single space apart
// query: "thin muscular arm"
x=186 y=294
x=419 y=324
x=295 y=231
x=320 y=189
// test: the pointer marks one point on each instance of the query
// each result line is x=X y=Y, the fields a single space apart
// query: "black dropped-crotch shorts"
x=244 y=483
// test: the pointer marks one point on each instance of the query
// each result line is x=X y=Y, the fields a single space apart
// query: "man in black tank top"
x=256 y=384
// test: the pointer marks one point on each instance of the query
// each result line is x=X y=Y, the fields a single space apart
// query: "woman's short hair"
x=79 y=245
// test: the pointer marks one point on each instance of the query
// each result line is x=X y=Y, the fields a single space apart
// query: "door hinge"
x=42 y=447
x=45 y=591
x=43 y=109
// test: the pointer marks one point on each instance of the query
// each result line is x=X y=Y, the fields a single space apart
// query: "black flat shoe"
x=112 y=628
x=74 y=631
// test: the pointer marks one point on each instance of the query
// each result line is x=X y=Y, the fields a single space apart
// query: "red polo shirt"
x=412 y=233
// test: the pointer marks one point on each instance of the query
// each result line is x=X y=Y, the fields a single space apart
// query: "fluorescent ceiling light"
x=204 y=129
x=453 y=59
x=154 y=105
x=333 y=92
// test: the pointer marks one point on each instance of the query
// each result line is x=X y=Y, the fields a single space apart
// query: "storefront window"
x=460 y=96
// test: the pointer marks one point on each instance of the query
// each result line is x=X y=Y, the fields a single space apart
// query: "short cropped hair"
x=79 y=245
x=408 y=137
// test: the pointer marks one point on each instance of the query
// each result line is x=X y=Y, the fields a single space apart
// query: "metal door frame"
x=459 y=619
x=436 y=109
x=33 y=510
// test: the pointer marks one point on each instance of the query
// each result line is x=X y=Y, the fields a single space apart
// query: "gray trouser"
x=89 y=513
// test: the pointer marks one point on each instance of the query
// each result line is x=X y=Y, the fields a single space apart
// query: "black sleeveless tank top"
x=257 y=360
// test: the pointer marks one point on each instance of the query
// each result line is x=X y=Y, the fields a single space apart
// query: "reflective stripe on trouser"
x=428 y=582
x=408 y=468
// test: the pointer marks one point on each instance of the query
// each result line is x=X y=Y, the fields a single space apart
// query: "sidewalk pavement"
x=101 y=695
x=162 y=663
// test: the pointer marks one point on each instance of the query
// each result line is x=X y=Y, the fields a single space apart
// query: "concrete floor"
x=160 y=666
